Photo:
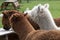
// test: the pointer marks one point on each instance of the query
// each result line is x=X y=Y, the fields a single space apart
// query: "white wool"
x=42 y=16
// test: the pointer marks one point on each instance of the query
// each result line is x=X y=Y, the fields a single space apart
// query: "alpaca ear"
x=38 y=9
x=4 y=12
x=46 y=5
x=25 y=14
x=14 y=18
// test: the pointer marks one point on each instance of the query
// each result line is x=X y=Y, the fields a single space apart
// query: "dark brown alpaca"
x=25 y=31
x=5 y=19
x=6 y=24
x=57 y=21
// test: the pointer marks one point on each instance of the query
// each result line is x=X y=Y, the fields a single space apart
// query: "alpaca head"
x=16 y=20
x=42 y=9
x=5 y=20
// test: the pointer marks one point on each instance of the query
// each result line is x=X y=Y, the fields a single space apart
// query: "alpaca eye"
x=5 y=16
x=15 y=19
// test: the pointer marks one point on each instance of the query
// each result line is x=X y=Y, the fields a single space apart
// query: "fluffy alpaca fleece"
x=36 y=26
x=25 y=31
x=42 y=16
x=20 y=25
x=5 y=18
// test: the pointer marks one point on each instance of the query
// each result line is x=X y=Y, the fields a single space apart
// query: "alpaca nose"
x=42 y=9
x=6 y=27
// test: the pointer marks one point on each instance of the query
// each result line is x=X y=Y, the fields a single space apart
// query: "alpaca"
x=6 y=25
x=42 y=16
x=44 y=35
x=25 y=31
x=20 y=25
x=5 y=18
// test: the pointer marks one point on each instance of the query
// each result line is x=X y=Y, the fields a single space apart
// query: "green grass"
x=54 y=7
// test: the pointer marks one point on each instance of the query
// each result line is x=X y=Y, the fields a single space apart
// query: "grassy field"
x=54 y=7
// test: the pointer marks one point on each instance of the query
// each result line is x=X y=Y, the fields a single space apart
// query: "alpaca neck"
x=49 y=16
x=22 y=28
x=47 y=21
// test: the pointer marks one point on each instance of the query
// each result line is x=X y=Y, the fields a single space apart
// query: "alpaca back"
x=44 y=35
x=34 y=34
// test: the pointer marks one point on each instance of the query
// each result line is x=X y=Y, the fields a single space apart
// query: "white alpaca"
x=42 y=16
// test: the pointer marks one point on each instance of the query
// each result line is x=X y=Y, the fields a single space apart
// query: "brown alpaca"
x=44 y=35
x=25 y=31
x=20 y=25
x=5 y=18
